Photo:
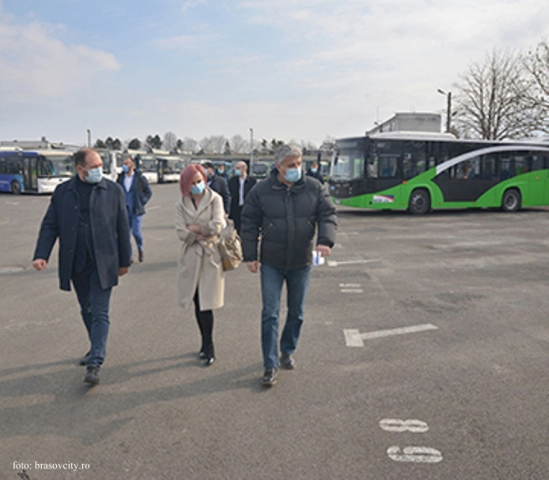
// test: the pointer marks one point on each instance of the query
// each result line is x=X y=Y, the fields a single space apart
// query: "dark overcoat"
x=234 y=189
x=109 y=227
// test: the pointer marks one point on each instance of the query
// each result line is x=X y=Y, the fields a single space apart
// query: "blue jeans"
x=94 y=308
x=135 y=226
x=297 y=283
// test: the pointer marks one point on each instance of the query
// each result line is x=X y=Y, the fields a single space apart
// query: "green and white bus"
x=421 y=171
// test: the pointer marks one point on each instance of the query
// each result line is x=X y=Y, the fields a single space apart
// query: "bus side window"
x=536 y=162
x=387 y=166
x=488 y=167
x=506 y=170
x=373 y=166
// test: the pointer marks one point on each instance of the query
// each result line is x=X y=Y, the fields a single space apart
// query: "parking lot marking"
x=353 y=338
x=398 y=426
x=335 y=263
x=414 y=454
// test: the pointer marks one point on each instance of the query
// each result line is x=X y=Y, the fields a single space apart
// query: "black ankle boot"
x=209 y=355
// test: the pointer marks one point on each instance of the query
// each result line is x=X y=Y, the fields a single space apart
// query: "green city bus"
x=420 y=172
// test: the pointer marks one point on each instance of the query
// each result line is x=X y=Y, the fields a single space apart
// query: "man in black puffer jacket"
x=286 y=211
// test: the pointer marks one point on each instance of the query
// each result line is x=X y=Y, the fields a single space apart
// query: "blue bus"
x=34 y=171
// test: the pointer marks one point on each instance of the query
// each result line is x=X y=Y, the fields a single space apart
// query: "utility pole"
x=251 y=148
x=448 y=108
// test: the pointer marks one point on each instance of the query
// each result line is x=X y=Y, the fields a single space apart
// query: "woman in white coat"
x=199 y=217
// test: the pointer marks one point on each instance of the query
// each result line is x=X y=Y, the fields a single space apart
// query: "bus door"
x=162 y=169
x=31 y=173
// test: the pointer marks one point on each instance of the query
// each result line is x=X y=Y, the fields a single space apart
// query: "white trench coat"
x=199 y=263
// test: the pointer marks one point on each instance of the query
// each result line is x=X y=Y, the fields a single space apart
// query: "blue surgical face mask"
x=314 y=170
x=125 y=168
x=94 y=175
x=293 y=175
x=198 y=188
x=237 y=172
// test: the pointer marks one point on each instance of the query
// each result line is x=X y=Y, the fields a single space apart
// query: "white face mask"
x=94 y=175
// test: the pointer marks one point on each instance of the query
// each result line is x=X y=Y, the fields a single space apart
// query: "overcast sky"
x=289 y=69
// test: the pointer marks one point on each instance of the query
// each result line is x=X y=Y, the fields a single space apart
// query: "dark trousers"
x=94 y=307
x=205 y=322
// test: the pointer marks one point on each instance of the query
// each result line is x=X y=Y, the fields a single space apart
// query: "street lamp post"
x=89 y=137
x=251 y=147
x=448 y=108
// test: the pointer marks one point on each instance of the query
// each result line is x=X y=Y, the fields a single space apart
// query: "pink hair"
x=187 y=178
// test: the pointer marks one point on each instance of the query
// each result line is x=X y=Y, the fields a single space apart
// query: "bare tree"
x=239 y=145
x=190 y=145
x=492 y=101
x=536 y=64
x=170 y=141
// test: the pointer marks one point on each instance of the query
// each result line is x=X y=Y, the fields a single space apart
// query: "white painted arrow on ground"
x=353 y=338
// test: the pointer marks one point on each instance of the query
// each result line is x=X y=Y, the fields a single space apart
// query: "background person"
x=88 y=215
x=218 y=184
x=286 y=210
x=199 y=218
x=138 y=193
x=314 y=172
x=239 y=187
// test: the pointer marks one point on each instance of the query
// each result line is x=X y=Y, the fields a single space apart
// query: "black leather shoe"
x=140 y=256
x=287 y=361
x=84 y=360
x=269 y=377
x=92 y=375
x=209 y=355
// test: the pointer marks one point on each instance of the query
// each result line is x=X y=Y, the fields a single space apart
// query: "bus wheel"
x=15 y=188
x=511 y=201
x=420 y=202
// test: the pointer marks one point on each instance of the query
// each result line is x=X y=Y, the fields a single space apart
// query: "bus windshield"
x=56 y=166
x=147 y=163
x=347 y=163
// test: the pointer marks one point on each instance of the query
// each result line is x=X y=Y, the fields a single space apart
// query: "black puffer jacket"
x=286 y=220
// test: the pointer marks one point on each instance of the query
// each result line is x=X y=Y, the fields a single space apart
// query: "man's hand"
x=40 y=264
x=253 y=266
x=324 y=250
x=122 y=271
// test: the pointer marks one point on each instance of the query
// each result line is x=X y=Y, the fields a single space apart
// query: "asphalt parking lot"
x=424 y=355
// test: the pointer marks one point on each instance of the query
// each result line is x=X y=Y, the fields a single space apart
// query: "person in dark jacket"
x=288 y=211
x=239 y=187
x=314 y=172
x=88 y=216
x=138 y=193
x=218 y=184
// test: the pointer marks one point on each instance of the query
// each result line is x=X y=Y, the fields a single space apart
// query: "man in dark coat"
x=239 y=187
x=138 y=193
x=88 y=215
x=218 y=184
x=314 y=172
x=290 y=213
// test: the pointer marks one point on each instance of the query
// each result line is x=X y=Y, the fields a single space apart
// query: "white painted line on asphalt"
x=335 y=263
x=154 y=207
x=349 y=285
x=353 y=338
x=399 y=426
x=352 y=290
x=414 y=454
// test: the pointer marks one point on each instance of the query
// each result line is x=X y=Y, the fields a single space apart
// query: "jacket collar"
x=72 y=183
x=204 y=203
x=277 y=184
